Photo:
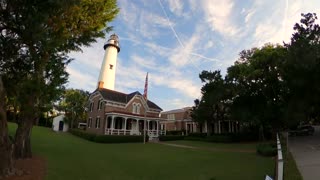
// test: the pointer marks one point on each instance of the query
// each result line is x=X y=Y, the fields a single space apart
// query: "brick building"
x=115 y=113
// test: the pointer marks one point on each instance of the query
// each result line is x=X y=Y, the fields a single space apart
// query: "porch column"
x=157 y=127
x=112 y=123
x=229 y=126
x=165 y=128
x=219 y=126
x=148 y=122
x=206 y=126
x=232 y=127
x=106 y=125
x=125 y=125
x=186 y=128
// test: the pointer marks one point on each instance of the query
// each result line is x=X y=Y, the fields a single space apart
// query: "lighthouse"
x=108 y=68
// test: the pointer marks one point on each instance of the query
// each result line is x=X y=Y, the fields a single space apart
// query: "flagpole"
x=145 y=95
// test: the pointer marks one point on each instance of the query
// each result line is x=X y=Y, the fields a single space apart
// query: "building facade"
x=115 y=113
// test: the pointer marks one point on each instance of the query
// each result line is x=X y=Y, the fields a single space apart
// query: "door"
x=61 y=123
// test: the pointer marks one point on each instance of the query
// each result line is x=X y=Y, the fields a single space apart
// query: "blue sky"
x=174 y=40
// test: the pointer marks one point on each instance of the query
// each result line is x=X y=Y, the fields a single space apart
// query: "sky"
x=175 y=40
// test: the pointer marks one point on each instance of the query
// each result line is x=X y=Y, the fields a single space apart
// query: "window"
x=91 y=106
x=136 y=108
x=89 y=122
x=110 y=66
x=100 y=104
x=171 y=117
x=98 y=122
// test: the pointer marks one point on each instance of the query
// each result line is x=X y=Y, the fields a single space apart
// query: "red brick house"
x=115 y=113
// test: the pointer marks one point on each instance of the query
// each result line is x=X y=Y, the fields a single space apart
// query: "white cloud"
x=176 y=6
x=81 y=80
x=181 y=54
x=218 y=16
x=249 y=15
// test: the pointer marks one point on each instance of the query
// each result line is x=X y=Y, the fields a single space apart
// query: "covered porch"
x=123 y=124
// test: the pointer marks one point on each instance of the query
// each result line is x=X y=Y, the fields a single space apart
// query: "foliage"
x=35 y=41
x=171 y=138
x=73 y=103
x=106 y=138
x=270 y=88
x=177 y=132
x=267 y=149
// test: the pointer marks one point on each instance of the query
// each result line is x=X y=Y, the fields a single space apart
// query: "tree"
x=259 y=87
x=302 y=70
x=73 y=104
x=40 y=38
x=212 y=106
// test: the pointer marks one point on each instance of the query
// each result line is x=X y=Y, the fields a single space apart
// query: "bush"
x=193 y=138
x=106 y=138
x=267 y=149
x=117 y=139
x=197 y=135
x=171 y=138
x=225 y=138
x=174 y=132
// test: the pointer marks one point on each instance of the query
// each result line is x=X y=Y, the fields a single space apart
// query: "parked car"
x=303 y=130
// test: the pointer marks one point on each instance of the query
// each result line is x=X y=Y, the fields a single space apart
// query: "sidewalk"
x=306 y=152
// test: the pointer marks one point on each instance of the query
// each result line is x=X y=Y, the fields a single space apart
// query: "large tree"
x=302 y=70
x=41 y=33
x=73 y=104
x=213 y=103
x=259 y=86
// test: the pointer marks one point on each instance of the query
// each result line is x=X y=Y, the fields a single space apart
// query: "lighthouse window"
x=111 y=66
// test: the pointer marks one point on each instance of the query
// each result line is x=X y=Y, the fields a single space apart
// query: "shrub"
x=267 y=149
x=106 y=138
x=193 y=138
x=197 y=134
x=174 y=132
x=225 y=138
x=171 y=138
x=117 y=139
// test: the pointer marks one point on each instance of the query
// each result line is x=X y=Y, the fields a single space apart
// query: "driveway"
x=306 y=152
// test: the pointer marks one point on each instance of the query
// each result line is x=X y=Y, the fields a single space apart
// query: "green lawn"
x=70 y=157
x=218 y=146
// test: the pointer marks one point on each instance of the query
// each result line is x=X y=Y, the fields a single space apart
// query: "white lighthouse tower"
x=108 y=68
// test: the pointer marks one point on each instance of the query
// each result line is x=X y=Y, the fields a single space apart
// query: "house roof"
x=177 y=110
x=122 y=97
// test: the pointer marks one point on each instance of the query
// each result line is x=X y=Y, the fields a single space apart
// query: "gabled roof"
x=116 y=96
x=177 y=110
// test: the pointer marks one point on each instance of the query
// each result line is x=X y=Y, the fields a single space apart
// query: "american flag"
x=145 y=93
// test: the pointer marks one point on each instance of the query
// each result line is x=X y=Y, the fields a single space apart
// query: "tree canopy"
x=273 y=86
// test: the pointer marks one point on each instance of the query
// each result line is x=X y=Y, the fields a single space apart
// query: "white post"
x=125 y=125
x=112 y=123
x=157 y=128
x=165 y=128
x=219 y=127
x=206 y=127
x=106 y=126
x=186 y=128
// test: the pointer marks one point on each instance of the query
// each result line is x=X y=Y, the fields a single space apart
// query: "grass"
x=291 y=170
x=70 y=157
x=222 y=146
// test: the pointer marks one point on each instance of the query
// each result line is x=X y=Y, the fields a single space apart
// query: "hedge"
x=267 y=149
x=175 y=132
x=171 y=138
x=107 y=138
x=225 y=138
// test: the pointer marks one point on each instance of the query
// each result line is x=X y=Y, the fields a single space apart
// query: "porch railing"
x=151 y=133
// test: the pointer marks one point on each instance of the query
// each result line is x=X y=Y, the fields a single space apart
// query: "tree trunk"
x=22 y=145
x=6 y=166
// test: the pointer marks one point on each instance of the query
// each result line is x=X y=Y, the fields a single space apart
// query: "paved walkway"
x=207 y=148
x=306 y=152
